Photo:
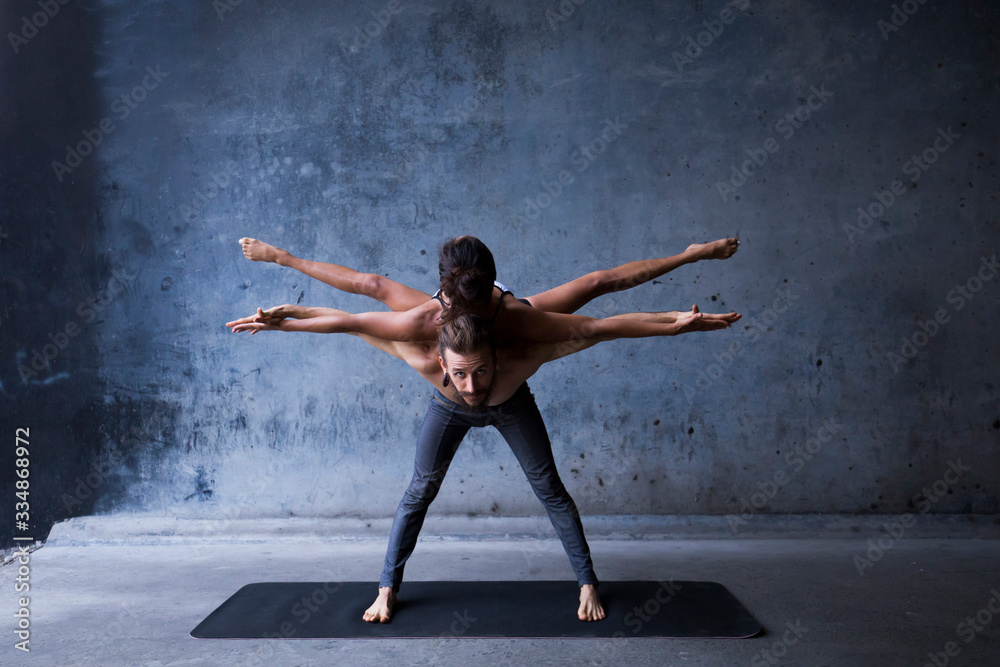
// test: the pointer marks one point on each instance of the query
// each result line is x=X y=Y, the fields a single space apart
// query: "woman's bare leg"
x=572 y=296
x=397 y=296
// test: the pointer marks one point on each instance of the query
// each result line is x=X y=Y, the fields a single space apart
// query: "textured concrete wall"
x=569 y=138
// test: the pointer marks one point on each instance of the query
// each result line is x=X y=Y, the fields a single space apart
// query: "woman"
x=467 y=275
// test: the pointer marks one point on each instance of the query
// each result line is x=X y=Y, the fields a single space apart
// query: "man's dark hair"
x=466 y=334
x=467 y=272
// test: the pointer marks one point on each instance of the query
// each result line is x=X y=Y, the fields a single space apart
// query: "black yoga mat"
x=428 y=609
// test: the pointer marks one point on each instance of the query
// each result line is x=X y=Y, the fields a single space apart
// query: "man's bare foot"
x=381 y=609
x=721 y=249
x=259 y=251
x=590 y=605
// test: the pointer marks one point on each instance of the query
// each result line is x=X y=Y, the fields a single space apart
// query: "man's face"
x=472 y=374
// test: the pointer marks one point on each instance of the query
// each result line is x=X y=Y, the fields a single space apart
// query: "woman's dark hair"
x=466 y=334
x=467 y=272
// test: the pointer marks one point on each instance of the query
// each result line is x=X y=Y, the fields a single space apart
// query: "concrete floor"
x=127 y=590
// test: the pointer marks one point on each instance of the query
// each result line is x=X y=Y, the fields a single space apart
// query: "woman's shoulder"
x=429 y=308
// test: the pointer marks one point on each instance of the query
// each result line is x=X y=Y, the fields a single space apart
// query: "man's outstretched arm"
x=669 y=323
x=330 y=320
x=293 y=311
x=525 y=326
x=403 y=327
x=523 y=360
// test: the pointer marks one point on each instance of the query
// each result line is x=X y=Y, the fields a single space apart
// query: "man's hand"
x=281 y=312
x=695 y=320
x=264 y=320
x=724 y=317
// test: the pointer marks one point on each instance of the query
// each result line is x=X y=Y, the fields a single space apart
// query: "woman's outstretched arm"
x=571 y=296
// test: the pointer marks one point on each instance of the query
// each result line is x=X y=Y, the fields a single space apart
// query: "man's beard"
x=483 y=405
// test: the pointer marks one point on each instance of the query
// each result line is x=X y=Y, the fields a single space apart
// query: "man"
x=480 y=384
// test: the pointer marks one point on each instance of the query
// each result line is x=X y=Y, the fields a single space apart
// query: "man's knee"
x=550 y=490
x=421 y=492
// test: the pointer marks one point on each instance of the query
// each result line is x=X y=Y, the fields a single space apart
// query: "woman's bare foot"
x=381 y=609
x=721 y=249
x=259 y=251
x=590 y=605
